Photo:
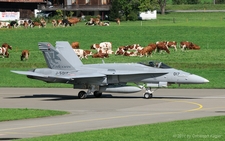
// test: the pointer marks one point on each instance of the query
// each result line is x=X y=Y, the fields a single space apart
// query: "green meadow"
x=203 y=29
x=8 y=114
x=201 y=129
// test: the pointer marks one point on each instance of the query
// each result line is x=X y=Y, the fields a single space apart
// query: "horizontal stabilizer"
x=29 y=73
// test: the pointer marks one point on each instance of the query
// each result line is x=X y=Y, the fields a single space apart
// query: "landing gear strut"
x=91 y=91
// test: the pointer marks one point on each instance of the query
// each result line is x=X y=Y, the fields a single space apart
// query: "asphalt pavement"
x=109 y=111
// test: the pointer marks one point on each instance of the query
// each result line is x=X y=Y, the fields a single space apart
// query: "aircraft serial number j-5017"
x=64 y=66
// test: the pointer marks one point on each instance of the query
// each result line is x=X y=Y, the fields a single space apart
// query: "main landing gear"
x=83 y=94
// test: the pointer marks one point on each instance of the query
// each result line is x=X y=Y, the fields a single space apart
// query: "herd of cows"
x=55 y=23
x=23 y=23
x=105 y=49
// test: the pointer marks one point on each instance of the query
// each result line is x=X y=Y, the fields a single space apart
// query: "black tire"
x=97 y=94
x=82 y=95
x=147 y=95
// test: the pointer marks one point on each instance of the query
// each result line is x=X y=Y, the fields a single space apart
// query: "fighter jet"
x=64 y=66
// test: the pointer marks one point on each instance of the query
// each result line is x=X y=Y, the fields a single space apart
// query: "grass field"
x=204 y=29
x=202 y=129
x=8 y=114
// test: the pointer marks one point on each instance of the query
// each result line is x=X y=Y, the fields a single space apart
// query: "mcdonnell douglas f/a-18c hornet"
x=64 y=66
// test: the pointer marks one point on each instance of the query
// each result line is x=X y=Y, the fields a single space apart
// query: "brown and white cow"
x=60 y=22
x=81 y=53
x=4 y=24
x=6 y=47
x=146 y=51
x=185 y=44
x=172 y=44
x=105 y=47
x=161 y=46
x=188 y=45
x=73 y=21
x=95 y=21
x=24 y=55
x=54 y=23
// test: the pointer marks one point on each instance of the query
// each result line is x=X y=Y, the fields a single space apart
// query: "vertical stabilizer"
x=67 y=52
x=53 y=58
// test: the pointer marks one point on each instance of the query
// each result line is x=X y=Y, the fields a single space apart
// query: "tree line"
x=129 y=9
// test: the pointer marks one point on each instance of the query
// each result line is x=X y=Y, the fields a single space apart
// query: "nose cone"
x=195 y=79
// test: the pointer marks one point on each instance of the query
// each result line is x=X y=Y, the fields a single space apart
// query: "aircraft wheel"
x=97 y=94
x=147 y=95
x=82 y=95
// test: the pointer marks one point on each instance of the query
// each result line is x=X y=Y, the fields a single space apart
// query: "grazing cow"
x=117 y=21
x=39 y=24
x=73 y=21
x=194 y=47
x=188 y=45
x=160 y=46
x=14 y=24
x=96 y=21
x=146 y=51
x=43 y=22
x=24 y=55
x=80 y=53
x=26 y=24
x=105 y=47
x=4 y=24
x=172 y=44
x=6 y=47
x=75 y=45
x=185 y=44
x=60 y=22
x=54 y=23
x=65 y=22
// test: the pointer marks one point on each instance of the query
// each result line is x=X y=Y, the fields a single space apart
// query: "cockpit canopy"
x=155 y=64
